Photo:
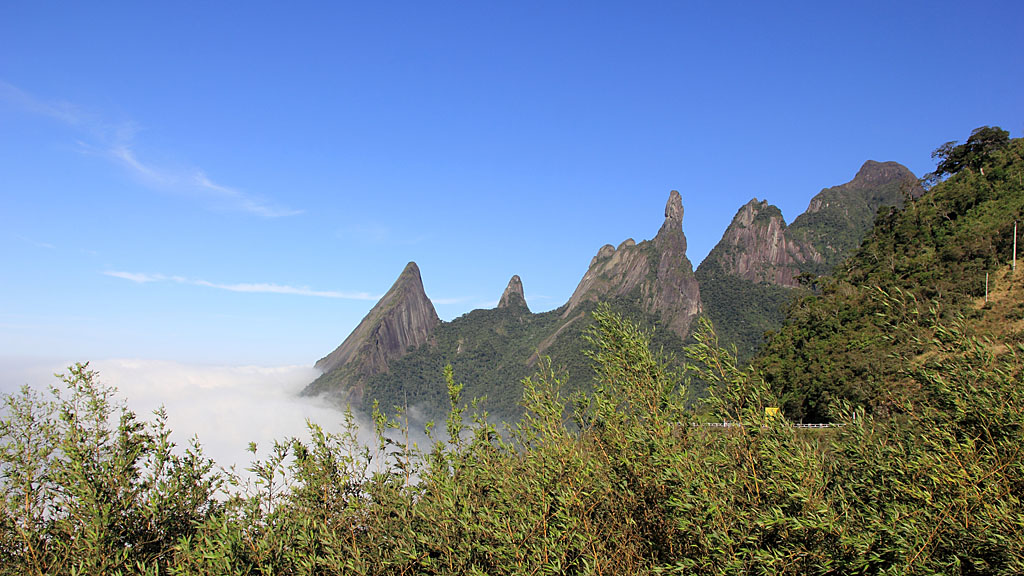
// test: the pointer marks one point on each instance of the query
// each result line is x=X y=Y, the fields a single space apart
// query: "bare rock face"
x=403 y=319
x=759 y=247
x=612 y=272
x=513 y=296
x=756 y=247
x=673 y=226
x=674 y=293
x=657 y=270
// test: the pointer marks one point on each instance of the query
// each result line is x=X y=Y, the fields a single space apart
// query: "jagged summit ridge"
x=396 y=352
x=513 y=296
x=657 y=272
x=401 y=338
x=747 y=277
x=758 y=246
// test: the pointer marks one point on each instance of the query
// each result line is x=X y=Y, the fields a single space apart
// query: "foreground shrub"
x=89 y=488
x=625 y=480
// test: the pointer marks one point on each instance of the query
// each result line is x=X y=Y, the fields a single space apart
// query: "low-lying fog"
x=225 y=406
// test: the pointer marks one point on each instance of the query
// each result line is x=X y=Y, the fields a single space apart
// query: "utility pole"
x=986 y=287
x=1014 y=245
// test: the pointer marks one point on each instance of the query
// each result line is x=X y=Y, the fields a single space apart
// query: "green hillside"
x=840 y=217
x=751 y=277
x=493 y=350
x=489 y=349
x=743 y=311
x=928 y=260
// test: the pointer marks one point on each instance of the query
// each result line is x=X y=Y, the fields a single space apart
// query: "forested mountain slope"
x=932 y=256
x=753 y=274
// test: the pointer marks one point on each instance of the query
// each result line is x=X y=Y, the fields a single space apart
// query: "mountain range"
x=396 y=354
x=748 y=278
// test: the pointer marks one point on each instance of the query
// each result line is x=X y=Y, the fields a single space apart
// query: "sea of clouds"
x=226 y=407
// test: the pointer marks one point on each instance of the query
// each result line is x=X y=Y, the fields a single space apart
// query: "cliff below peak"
x=756 y=247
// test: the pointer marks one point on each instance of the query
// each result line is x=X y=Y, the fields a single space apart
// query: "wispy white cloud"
x=62 y=111
x=135 y=276
x=240 y=200
x=125 y=156
x=36 y=243
x=116 y=141
x=279 y=289
x=447 y=301
x=246 y=287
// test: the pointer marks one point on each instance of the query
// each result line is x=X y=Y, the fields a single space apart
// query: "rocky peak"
x=657 y=271
x=403 y=319
x=757 y=248
x=874 y=174
x=671 y=232
x=513 y=296
x=838 y=218
x=751 y=210
x=674 y=209
x=875 y=184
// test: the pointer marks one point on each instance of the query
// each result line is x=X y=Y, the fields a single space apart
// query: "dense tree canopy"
x=934 y=252
x=973 y=154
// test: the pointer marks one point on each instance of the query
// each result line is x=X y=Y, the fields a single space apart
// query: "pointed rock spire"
x=674 y=208
x=671 y=232
x=661 y=278
x=402 y=320
x=513 y=296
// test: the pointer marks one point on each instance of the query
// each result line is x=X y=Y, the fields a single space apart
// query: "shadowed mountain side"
x=756 y=248
x=837 y=219
x=402 y=320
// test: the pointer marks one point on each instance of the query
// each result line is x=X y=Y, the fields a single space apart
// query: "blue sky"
x=236 y=183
